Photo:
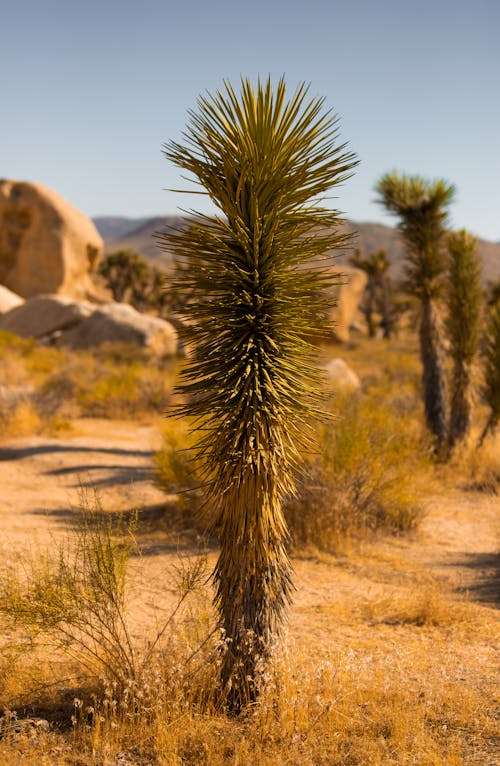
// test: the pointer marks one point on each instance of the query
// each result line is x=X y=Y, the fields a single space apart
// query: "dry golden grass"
x=385 y=664
x=480 y=467
x=43 y=389
x=402 y=673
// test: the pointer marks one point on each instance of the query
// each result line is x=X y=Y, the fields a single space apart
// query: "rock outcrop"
x=43 y=316
x=46 y=245
x=349 y=296
x=60 y=321
x=120 y=323
x=9 y=300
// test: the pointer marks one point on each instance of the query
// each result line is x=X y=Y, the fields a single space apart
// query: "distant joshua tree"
x=253 y=268
x=492 y=370
x=375 y=266
x=131 y=279
x=463 y=324
x=421 y=208
x=127 y=274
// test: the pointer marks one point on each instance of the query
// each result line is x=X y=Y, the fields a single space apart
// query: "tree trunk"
x=386 y=314
x=370 y=304
x=461 y=403
x=253 y=585
x=433 y=376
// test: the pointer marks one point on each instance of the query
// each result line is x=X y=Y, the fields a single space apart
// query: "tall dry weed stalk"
x=75 y=598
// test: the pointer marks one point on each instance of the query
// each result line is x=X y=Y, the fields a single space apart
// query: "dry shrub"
x=361 y=481
x=42 y=388
x=98 y=387
x=75 y=598
x=177 y=471
x=423 y=606
x=20 y=415
x=480 y=466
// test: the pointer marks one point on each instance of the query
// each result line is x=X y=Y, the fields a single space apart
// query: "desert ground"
x=419 y=610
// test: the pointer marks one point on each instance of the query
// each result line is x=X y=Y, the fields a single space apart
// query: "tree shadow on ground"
x=18 y=453
x=119 y=474
x=486 y=567
x=164 y=527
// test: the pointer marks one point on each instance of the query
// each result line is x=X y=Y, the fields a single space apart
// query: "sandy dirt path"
x=41 y=480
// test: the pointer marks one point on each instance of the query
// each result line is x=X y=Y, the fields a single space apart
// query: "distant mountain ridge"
x=140 y=234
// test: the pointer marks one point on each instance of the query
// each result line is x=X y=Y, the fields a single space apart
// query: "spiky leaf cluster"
x=421 y=207
x=262 y=160
x=375 y=264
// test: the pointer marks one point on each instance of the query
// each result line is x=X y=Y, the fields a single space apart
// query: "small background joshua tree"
x=126 y=273
x=259 y=283
x=376 y=266
x=463 y=325
x=421 y=208
x=131 y=279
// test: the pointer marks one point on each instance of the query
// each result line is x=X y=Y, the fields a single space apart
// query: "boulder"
x=46 y=245
x=349 y=296
x=341 y=377
x=45 y=315
x=9 y=300
x=120 y=323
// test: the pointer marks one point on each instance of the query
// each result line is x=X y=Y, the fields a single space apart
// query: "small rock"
x=340 y=375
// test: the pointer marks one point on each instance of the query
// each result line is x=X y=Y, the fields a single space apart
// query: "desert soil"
x=42 y=480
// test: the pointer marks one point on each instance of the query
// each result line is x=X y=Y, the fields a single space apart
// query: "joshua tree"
x=258 y=277
x=127 y=274
x=421 y=208
x=375 y=266
x=492 y=370
x=464 y=317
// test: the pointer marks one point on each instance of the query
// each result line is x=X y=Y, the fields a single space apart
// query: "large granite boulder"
x=120 y=323
x=9 y=300
x=60 y=321
x=349 y=296
x=46 y=245
x=45 y=315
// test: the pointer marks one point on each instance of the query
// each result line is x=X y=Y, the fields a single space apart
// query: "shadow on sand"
x=486 y=567
x=18 y=453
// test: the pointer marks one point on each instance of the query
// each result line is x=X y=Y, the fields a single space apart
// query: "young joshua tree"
x=463 y=324
x=421 y=208
x=259 y=285
x=492 y=371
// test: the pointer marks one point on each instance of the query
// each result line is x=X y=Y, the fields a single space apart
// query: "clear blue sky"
x=89 y=92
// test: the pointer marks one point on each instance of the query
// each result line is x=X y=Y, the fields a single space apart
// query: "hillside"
x=139 y=234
